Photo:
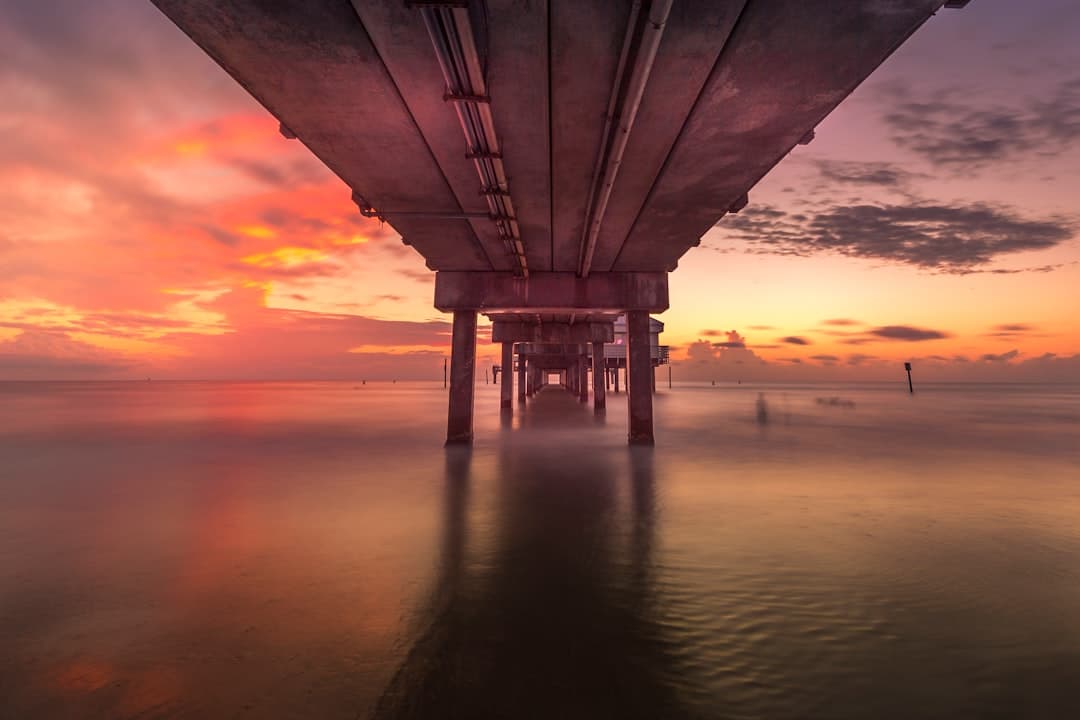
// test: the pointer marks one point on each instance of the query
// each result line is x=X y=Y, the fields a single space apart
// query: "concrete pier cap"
x=551 y=292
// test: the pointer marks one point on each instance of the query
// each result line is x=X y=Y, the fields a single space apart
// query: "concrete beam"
x=552 y=292
x=568 y=350
x=565 y=333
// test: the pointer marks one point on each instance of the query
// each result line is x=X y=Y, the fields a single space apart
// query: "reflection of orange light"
x=83 y=675
x=151 y=690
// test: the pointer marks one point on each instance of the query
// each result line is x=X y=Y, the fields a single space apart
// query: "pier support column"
x=599 y=377
x=583 y=377
x=521 y=379
x=459 y=421
x=506 y=389
x=616 y=375
x=639 y=385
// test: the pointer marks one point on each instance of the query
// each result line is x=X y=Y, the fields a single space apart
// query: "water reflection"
x=558 y=618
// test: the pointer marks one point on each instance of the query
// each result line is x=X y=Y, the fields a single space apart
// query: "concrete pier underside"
x=557 y=162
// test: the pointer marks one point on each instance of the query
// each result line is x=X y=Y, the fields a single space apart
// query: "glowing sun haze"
x=154 y=223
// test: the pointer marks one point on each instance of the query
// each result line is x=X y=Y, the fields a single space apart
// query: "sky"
x=154 y=223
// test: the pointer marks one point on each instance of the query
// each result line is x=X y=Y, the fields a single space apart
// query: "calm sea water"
x=309 y=550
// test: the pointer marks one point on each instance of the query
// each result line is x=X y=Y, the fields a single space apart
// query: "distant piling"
x=444 y=373
x=911 y=388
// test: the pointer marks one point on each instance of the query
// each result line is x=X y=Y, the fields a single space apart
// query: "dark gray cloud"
x=795 y=340
x=734 y=339
x=907 y=333
x=879 y=174
x=826 y=359
x=952 y=133
x=1011 y=330
x=1000 y=358
x=945 y=238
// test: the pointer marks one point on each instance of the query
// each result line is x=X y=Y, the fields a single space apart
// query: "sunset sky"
x=153 y=222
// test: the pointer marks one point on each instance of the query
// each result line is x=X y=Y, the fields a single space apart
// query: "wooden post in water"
x=911 y=388
x=669 y=376
x=444 y=373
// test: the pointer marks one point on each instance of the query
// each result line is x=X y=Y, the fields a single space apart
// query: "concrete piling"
x=459 y=423
x=639 y=368
x=506 y=389
x=599 y=377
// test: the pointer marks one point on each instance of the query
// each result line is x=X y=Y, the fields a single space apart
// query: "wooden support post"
x=599 y=377
x=459 y=421
x=639 y=385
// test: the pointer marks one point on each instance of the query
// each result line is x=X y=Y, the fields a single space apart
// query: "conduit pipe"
x=644 y=31
x=452 y=36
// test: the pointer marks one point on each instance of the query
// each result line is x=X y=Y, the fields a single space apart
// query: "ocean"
x=310 y=550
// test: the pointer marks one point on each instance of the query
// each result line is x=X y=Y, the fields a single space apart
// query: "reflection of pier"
x=557 y=619
x=552 y=161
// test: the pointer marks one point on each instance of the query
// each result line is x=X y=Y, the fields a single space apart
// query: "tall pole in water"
x=444 y=373
x=911 y=388
x=669 y=376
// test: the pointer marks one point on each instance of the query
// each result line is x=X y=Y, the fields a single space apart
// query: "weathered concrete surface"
x=735 y=85
x=552 y=292
x=404 y=46
x=694 y=36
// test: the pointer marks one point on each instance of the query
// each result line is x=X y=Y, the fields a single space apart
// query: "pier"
x=551 y=161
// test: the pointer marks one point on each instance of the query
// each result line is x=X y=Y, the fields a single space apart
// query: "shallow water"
x=310 y=550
